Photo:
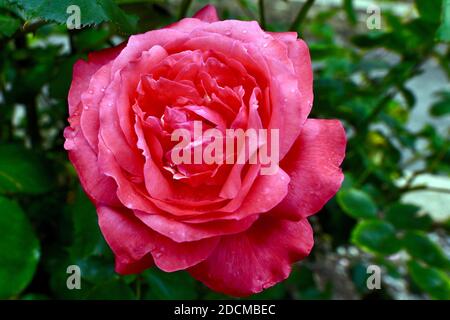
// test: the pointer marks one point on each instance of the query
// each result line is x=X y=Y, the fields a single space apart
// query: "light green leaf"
x=443 y=32
x=19 y=249
x=431 y=280
x=357 y=203
x=376 y=237
x=22 y=171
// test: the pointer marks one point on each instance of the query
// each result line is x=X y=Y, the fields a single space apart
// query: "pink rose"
x=231 y=227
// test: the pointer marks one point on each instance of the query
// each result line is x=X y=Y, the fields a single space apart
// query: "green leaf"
x=357 y=204
x=22 y=171
x=86 y=233
x=115 y=289
x=431 y=280
x=406 y=217
x=19 y=249
x=442 y=106
x=92 y=12
x=350 y=11
x=429 y=10
x=124 y=22
x=420 y=247
x=35 y=296
x=164 y=286
x=443 y=32
x=376 y=237
x=8 y=25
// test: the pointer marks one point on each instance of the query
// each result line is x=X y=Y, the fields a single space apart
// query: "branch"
x=297 y=24
x=184 y=8
x=262 y=17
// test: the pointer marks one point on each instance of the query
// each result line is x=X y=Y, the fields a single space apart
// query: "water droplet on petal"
x=265 y=45
x=91 y=91
x=285 y=99
x=103 y=89
x=86 y=108
x=244 y=31
x=228 y=33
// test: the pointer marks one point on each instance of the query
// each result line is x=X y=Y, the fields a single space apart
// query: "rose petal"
x=126 y=267
x=313 y=165
x=100 y=188
x=181 y=231
x=252 y=261
x=83 y=71
x=208 y=14
x=131 y=242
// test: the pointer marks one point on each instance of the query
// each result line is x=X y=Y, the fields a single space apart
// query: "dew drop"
x=266 y=36
x=110 y=104
x=86 y=108
x=91 y=91
x=69 y=144
x=265 y=45
x=103 y=89
x=244 y=31
x=285 y=99
x=228 y=33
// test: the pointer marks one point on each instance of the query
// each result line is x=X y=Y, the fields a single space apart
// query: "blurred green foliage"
x=361 y=77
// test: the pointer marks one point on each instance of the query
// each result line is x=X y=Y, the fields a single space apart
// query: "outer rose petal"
x=126 y=267
x=298 y=52
x=84 y=70
x=100 y=188
x=132 y=241
x=208 y=14
x=252 y=261
x=313 y=165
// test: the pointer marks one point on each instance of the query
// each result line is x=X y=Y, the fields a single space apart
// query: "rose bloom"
x=229 y=226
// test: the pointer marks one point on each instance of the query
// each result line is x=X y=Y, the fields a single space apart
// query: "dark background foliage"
x=391 y=212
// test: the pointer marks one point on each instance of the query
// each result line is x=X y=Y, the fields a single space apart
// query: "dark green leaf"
x=8 y=25
x=175 y=285
x=420 y=247
x=442 y=106
x=431 y=280
x=406 y=216
x=376 y=237
x=19 y=249
x=115 y=289
x=22 y=171
x=86 y=232
x=35 y=296
x=92 y=12
x=350 y=11
x=357 y=203
x=429 y=10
